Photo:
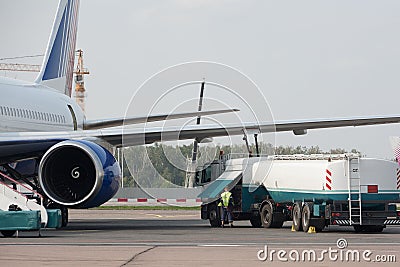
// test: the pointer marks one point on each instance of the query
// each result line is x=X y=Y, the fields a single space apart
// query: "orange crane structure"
x=80 y=71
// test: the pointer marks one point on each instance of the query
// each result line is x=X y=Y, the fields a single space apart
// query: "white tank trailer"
x=314 y=191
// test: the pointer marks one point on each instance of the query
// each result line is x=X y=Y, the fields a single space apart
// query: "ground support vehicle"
x=309 y=190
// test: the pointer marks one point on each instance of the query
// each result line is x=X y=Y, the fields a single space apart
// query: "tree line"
x=160 y=165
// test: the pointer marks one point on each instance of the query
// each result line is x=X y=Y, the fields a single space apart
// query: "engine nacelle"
x=79 y=174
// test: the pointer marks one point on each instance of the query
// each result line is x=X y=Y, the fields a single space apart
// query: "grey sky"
x=311 y=59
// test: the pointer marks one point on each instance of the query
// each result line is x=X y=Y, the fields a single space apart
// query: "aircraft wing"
x=33 y=144
x=151 y=135
x=99 y=124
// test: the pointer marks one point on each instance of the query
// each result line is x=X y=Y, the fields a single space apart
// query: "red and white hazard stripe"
x=328 y=179
x=398 y=178
x=152 y=201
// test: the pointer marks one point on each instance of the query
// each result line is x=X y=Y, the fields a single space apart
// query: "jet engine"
x=79 y=174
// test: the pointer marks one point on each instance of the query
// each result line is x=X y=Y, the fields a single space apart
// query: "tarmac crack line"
x=138 y=254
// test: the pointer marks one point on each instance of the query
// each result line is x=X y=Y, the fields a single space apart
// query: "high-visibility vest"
x=225 y=196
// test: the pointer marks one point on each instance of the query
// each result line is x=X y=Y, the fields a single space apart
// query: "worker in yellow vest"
x=227 y=205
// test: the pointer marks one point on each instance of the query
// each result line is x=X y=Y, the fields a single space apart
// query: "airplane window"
x=1 y=108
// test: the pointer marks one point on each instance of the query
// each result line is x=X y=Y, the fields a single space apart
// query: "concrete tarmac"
x=181 y=238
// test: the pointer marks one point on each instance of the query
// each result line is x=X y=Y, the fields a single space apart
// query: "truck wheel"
x=267 y=215
x=8 y=233
x=214 y=217
x=297 y=217
x=305 y=217
x=255 y=221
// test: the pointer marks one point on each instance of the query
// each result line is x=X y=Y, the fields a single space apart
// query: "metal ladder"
x=354 y=186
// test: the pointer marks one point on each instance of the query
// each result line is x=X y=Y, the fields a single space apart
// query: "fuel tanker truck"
x=309 y=190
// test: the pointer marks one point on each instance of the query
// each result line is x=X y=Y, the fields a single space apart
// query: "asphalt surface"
x=181 y=238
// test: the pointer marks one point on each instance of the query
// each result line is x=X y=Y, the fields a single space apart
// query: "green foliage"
x=163 y=166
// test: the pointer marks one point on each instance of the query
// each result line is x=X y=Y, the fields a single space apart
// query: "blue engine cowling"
x=79 y=174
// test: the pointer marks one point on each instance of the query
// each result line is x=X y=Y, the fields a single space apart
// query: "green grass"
x=166 y=207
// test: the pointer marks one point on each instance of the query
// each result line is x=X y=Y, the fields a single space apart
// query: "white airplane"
x=47 y=134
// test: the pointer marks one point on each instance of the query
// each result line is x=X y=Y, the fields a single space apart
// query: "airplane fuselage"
x=28 y=107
